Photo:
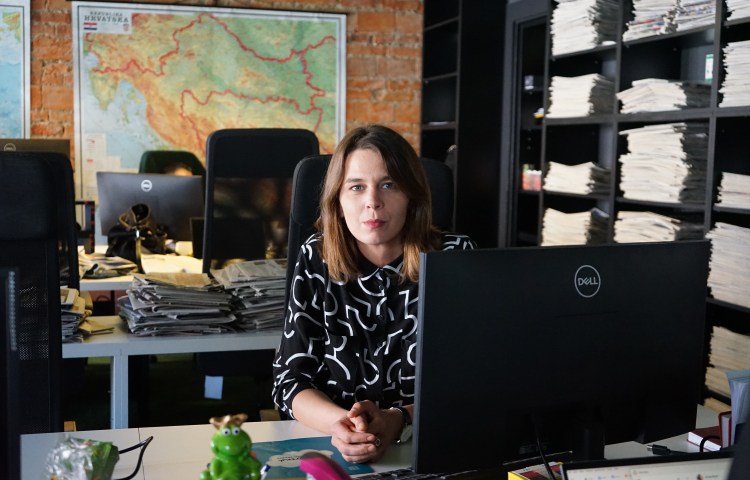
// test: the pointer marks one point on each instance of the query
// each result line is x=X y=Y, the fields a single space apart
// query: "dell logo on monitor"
x=587 y=281
x=146 y=185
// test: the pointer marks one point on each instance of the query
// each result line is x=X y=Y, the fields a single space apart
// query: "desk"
x=120 y=345
x=180 y=452
x=183 y=451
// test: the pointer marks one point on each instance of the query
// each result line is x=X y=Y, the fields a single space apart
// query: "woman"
x=346 y=363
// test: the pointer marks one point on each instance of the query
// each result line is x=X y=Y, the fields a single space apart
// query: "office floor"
x=164 y=390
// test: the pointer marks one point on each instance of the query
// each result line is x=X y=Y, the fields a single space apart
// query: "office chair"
x=164 y=161
x=248 y=179
x=29 y=245
x=307 y=185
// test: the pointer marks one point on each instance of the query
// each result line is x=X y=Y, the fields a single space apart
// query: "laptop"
x=691 y=466
x=55 y=145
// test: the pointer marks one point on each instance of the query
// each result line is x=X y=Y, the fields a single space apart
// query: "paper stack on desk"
x=258 y=287
x=73 y=311
x=177 y=303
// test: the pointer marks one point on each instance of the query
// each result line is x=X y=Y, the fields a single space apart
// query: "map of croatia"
x=163 y=77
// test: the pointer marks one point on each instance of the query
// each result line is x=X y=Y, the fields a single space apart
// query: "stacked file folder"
x=578 y=228
x=258 y=289
x=729 y=268
x=651 y=17
x=583 y=179
x=729 y=351
x=736 y=87
x=177 y=303
x=734 y=191
x=578 y=25
x=666 y=163
x=631 y=227
x=656 y=95
x=580 y=96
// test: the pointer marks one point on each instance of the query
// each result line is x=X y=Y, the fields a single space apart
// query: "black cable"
x=541 y=451
x=142 y=445
x=707 y=438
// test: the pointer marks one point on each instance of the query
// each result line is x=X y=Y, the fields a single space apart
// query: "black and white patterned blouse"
x=353 y=341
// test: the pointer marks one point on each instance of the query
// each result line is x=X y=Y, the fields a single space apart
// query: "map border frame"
x=77 y=36
x=25 y=92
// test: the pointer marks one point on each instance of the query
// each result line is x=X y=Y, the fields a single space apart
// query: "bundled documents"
x=258 y=290
x=735 y=90
x=729 y=351
x=656 y=95
x=73 y=312
x=729 y=268
x=694 y=14
x=579 y=228
x=651 y=17
x=578 y=25
x=631 y=227
x=666 y=163
x=584 y=179
x=580 y=96
x=734 y=191
x=737 y=9
x=177 y=303
x=98 y=265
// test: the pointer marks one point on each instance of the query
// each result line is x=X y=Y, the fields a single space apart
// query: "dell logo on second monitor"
x=146 y=185
x=587 y=281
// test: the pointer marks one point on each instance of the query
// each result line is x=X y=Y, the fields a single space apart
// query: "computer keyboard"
x=409 y=474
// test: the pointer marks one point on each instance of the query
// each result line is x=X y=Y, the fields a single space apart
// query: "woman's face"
x=373 y=206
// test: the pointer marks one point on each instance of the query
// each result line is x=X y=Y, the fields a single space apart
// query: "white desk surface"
x=120 y=345
x=182 y=452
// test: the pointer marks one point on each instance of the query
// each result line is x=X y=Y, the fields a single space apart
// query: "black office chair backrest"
x=29 y=241
x=248 y=180
x=307 y=185
x=165 y=161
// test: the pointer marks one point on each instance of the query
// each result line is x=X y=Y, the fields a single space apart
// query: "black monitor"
x=172 y=199
x=586 y=345
x=56 y=145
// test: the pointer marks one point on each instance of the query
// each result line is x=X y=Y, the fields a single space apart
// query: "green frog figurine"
x=232 y=447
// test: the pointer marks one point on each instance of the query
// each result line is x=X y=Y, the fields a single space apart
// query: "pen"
x=264 y=471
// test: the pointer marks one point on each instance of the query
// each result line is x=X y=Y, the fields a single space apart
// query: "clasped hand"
x=365 y=433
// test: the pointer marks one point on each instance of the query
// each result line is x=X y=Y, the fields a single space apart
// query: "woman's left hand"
x=386 y=425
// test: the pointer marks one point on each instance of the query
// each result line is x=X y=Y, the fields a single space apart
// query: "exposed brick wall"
x=384 y=62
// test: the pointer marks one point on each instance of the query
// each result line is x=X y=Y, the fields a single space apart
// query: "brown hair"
x=339 y=247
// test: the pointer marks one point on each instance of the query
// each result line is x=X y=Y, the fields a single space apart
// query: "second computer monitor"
x=585 y=345
x=172 y=199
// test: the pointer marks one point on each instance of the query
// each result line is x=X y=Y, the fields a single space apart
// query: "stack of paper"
x=580 y=96
x=578 y=25
x=666 y=163
x=578 y=228
x=98 y=265
x=736 y=87
x=656 y=95
x=179 y=303
x=584 y=179
x=695 y=13
x=734 y=191
x=729 y=351
x=651 y=17
x=729 y=276
x=73 y=312
x=258 y=287
x=631 y=227
x=737 y=9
